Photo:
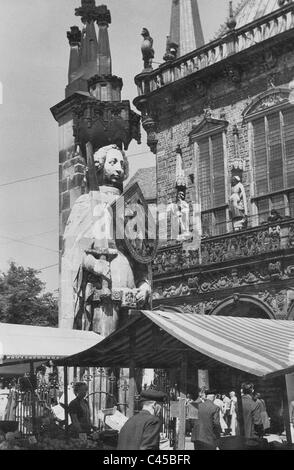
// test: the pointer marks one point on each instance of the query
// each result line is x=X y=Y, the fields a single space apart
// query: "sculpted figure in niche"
x=238 y=204
x=99 y=277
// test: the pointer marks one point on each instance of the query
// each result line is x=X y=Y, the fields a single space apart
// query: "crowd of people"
x=218 y=416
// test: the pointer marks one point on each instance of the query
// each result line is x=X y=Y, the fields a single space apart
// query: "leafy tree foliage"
x=22 y=298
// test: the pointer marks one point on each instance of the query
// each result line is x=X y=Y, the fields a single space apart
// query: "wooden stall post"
x=286 y=413
x=182 y=403
x=240 y=415
x=132 y=389
x=65 y=389
x=34 y=427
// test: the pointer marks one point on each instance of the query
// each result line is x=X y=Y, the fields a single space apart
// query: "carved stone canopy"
x=101 y=123
x=238 y=164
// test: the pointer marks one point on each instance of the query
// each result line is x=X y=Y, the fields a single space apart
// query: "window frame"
x=286 y=190
x=217 y=127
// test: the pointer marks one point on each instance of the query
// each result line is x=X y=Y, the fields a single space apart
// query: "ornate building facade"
x=227 y=108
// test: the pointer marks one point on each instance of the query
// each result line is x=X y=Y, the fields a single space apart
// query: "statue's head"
x=236 y=180
x=111 y=165
x=145 y=33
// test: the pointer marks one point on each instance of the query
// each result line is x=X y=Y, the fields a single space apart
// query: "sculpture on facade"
x=100 y=278
x=238 y=204
x=147 y=49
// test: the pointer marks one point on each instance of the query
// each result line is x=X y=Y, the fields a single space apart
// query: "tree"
x=23 y=300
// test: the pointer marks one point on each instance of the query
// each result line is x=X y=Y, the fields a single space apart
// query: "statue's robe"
x=91 y=222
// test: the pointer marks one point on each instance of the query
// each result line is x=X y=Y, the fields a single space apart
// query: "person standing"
x=292 y=418
x=208 y=429
x=218 y=402
x=263 y=412
x=233 y=413
x=142 y=431
x=251 y=412
x=227 y=406
x=79 y=410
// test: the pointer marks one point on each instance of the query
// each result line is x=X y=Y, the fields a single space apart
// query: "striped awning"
x=158 y=339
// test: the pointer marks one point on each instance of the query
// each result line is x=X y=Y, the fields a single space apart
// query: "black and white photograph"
x=147 y=228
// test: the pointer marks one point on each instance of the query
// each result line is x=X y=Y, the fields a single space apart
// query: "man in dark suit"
x=207 y=428
x=252 y=412
x=142 y=431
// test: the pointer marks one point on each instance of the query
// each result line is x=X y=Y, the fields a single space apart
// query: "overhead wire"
x=28 y=243
x=47 y=267
x=21 y=180
x=28 y=236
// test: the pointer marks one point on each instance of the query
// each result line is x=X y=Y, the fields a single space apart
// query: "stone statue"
x=147 y=49
x=100 y=280
x=238 y=204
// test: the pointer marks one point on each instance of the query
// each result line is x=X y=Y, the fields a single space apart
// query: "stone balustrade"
x=234 y=42
x=265 y=239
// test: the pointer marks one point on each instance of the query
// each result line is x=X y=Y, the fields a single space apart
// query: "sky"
x=34 y=54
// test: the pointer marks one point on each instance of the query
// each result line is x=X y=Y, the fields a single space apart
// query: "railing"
x=266 y=238
x=234 y=42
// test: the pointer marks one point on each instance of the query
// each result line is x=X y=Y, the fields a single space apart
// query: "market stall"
x=22 y=349
x=154 y=339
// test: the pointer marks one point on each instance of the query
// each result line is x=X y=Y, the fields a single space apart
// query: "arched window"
x=270 y=120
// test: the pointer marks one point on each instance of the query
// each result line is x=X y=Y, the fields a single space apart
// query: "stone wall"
x=226 y=100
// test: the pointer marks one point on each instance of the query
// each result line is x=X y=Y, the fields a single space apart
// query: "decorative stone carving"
x=201 y=88
x=275 y=270
x=238 y=204
x=147 y=49
x=193 y=283
x=149 y=125
x=227 y=279
x=238 y=165
x=233 y=73
x=276 y=300
x=291 y=236
x=171 y=50
x=174 y=259
x=270 y=101
x=74 y=36
x=270 y=59
x=94 y=121
x=90 y=12
x=210 y=305
x=198 y=308
x=289 y=271
x=243 y=244
x=181 y=180
x=283 y=2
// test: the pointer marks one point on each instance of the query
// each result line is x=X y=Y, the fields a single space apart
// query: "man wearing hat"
x=142 y=431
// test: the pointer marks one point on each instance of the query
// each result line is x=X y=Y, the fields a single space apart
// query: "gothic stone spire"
x=185 y=27
x=89 y=57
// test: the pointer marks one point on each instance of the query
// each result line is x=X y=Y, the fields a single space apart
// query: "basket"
x=8 y=426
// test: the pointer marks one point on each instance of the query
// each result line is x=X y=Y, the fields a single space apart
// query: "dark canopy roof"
x=156 y=339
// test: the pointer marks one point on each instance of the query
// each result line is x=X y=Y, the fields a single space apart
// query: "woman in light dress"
x=218 y=402
x=233 y=413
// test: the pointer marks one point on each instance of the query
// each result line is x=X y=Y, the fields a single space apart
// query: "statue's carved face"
x=114 y=168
